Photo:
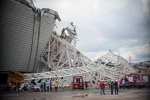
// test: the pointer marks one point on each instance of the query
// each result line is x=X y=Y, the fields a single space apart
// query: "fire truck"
x=136 y=80
x=144 y=80
x=78 y=82
x=133 y=79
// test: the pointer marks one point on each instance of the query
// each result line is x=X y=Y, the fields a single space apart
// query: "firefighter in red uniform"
x=116 y=87
x=102 y=87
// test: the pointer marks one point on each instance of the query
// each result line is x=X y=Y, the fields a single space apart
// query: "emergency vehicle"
x=137 y=80
x=141 y=83
x=146 y=77
x=78 y=82
x=133 y=79
x=144 y=80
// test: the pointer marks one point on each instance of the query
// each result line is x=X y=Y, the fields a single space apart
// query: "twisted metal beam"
x=93 y=72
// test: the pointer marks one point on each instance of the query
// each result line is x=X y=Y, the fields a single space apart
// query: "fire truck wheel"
x=128 y=87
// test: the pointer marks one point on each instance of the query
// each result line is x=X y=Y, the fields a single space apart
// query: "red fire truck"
x=133 y=78
x=146 y=79
x=138 y=80
x=78 y=82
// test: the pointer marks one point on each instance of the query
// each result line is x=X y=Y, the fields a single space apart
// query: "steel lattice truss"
x=93 y=72
x=65 y=61
x=60 y=54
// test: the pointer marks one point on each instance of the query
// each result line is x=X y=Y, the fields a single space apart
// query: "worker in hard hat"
x=116 y=87
x=112 y=86
x=102 y=87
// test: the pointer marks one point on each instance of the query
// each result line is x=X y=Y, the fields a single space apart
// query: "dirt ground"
x=69 y=94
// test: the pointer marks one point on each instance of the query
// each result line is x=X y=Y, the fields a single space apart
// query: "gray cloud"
x=106 y=24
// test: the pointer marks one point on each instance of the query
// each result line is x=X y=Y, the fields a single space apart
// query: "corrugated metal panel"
x=16 y=34
x=46 y=28
x=34 y=46
x=17 y=29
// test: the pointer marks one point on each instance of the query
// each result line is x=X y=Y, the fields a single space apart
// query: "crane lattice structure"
x=60 y=53
x=65 y=61
x=93 y=72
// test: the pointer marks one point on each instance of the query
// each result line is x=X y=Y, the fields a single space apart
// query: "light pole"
x=129 y=59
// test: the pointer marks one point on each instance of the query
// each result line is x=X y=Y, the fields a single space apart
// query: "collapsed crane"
x=60 y=52
x=65 y=61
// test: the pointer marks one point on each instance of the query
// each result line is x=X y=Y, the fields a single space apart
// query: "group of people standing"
x=113 y=85
x=13 y=86
x=47 y=86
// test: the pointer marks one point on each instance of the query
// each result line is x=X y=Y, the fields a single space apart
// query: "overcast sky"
x=119 y=25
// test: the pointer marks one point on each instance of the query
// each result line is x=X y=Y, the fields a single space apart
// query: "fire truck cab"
x=78 y=82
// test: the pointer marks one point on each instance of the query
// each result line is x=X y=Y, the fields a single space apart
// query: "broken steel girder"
x=117 y=63
x=89 y=73
x=60 y=54
x=93 y=72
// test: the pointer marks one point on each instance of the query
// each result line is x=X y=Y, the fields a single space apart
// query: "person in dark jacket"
x=112 y=86
x=86 y=84
x=50 y=85
x=18 y=86
x=116 y=87
x=102 y=87
x=34 y=83
x=44 y=86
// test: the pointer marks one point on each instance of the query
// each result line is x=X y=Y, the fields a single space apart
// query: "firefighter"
x=102 y=87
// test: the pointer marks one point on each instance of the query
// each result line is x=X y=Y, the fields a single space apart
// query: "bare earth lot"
x=69 y=94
